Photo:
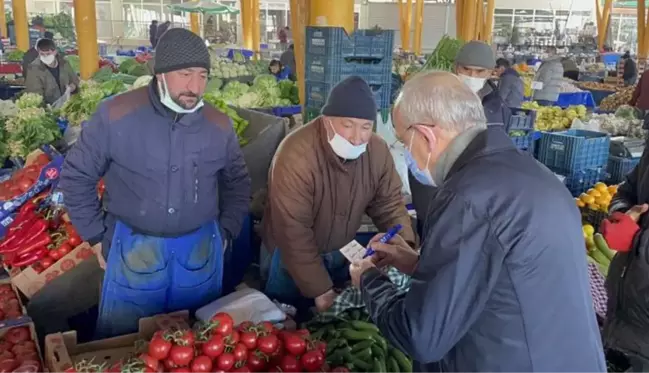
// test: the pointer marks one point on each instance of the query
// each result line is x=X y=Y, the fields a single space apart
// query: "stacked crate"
x=332 y=55
x=581 y=156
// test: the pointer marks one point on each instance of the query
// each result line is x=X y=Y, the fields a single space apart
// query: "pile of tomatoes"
x=18 y=352
x=220 y=346
x=22 y=180
x=10 y=307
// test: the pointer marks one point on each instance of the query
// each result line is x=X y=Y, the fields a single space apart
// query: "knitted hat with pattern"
x=179 y=49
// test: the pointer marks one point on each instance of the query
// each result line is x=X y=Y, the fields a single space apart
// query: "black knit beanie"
x=351 y=98
x=179 y=49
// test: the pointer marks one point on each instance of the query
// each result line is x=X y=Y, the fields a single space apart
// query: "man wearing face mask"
x=325 y=176
x=177 y=189
x=496 y=286
x=50 y=75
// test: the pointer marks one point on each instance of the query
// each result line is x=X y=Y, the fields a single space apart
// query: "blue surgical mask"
x=423 y=176
x=166 y=100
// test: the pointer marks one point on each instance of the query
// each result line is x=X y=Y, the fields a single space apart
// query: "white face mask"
x=167 y=101
x=475 y=84
x=345 y=149
x=49 y=59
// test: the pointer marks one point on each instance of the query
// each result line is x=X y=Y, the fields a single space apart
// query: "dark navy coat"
x=502 y=281
x=166 y=174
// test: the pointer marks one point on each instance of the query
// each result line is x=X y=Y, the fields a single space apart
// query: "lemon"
x=587 y=199
x=601 y=187
x=593 y=192
x=588 y=229
x=590 y=242
x=593 y=206
x=612 y=189
x=580 y=203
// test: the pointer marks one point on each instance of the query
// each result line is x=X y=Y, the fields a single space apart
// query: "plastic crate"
x=618 y=168
x=598 y=95
x=522 y=119
x=525 y=142
x=576 y=98
x=310 y=114
x=580 y=181
x=592 y=217
x=286 y=111
x=317 y=92
x=332 y=70
x=335 y=42
x=571 y=151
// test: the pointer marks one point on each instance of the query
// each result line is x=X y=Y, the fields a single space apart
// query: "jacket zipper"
x=195 y=181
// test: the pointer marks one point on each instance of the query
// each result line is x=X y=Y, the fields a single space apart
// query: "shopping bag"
x=63 y=99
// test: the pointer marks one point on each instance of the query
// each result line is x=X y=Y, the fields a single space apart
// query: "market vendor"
x=325 y=176
x=279 y=71
x=177 y=189
x=548 y=79
x=498 y=285
x=32 y=54
x=50 y=75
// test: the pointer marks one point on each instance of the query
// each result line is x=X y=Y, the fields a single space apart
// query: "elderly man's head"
x=432 y=109
x=474 y=63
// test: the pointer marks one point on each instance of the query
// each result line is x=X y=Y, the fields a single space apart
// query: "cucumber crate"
x=580 y=181
x=619 y=167
x=317 y=93
x=572 y=151
x=332 y=70
x=335 y=42
x=521 y=128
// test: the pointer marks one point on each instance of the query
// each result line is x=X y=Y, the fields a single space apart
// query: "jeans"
x=280 y=284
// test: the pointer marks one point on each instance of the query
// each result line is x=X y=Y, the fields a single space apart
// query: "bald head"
x=438 y=98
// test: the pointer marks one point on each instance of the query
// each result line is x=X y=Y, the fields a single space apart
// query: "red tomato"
x=169 y=364
x=187 y=338
x=181 y=370
x=5 y=346
x=181 y=355
x=7 y=296
x=6 y=355
x=249 y=339
x=17 y=335
x=24 y=184
x=13 y=314
x=224 y=362
x=233 y=338
x=54 y=255
x=256 y=362
x=74 y=240
x=46 y=263
x=340 y=370
x=27 y=355
x=245 y=326
x=64 y=249
x=268 y=327
x=214 y=347
x=201 y=364
x=240 y=352
x=6 y=289
x=303 y=332
x=2 y=315
x=159 y=348
x=275 y=369
x=8 y=365
x=224 y=322
x=321 y=346
x=27 y=368
x=242 y=369
x=294 y=344
x=42 y=159
x=290 y=364
x=312 y=361
x=268 y=344
x=150 y=361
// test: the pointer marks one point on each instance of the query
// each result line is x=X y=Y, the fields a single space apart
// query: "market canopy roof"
x=204 y=7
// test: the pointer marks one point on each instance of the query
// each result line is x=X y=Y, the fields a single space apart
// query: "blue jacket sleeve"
x=505 y=87
x=83 y=167
x=234 y=189
x=458 y=268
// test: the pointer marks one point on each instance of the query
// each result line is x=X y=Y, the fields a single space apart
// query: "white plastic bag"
x=63 y=99
x=386 y=131
x=242 y=305
x=591 y=125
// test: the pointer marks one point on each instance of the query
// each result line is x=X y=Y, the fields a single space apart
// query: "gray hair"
x=441 y=98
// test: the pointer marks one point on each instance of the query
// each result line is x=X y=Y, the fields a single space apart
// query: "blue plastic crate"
x=335 y=42
x=580 y=181
x=317 y=92
x=598 y=95
x=573 y=150
x=332 y=70
x=576 y=98
x=525 y=142
x=619 y=167
x=287 y=111
x=522 y=119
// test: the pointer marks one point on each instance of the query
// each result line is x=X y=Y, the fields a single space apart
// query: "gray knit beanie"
x=178 y=49
x=351 y=98
x=476 y=53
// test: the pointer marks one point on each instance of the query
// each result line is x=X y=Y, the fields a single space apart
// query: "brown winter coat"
x=316 y=202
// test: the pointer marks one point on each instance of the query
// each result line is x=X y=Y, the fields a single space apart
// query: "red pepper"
x=42 y=239
x=15 y=228
x=39 y=226
x=29 y=259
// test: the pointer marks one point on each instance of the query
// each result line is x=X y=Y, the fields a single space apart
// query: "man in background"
x=510 y=85
x=548 y=79
x=153 y=31
x=630 y=74
x=282 y=35
x=287 y=59
x=50 y=75
x=570 y=68
x=32 y=54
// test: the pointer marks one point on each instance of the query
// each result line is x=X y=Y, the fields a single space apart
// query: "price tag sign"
x=353 y=251
x=537 y=86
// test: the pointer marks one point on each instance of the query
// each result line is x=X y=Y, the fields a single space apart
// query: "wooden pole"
x=246 y=23
x=3 y=20
x=256 y=30
x=641 y=24
x=419 y=23
x=469 y=19
x=85 y=21
x=489 y=21
x=21 y=28
x=459 y=17
x=479 y=18
x=299 y=18
x=407 y=26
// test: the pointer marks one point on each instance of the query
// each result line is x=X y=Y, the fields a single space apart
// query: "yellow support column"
x=246 y=23
x=641 y=23
x=21 y=28
x=407 y=26
x=256 y=29
x=195 y=23
x=479 y=18
x=419 y=23
x=3 y=20
x=85 y=21
x=459 y=17
x=326 y=13
x=488 y=29
x=468 y=23
x=299 y=17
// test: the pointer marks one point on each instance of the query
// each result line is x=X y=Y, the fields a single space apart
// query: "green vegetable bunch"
x=443 y=57
x=29 y=100
x=15 y=56
x=29 y=129
x=289 y=91
x=240 y=124
x=81 y=106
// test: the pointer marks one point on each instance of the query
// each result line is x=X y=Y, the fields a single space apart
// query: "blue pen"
x=387 y=237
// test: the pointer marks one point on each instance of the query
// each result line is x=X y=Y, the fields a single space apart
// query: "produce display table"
x=11 y=68
x=7 y=92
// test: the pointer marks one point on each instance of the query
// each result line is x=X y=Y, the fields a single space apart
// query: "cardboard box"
x=32 y=331
x=29 y=281
x=62 y=350
x=24 y=319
